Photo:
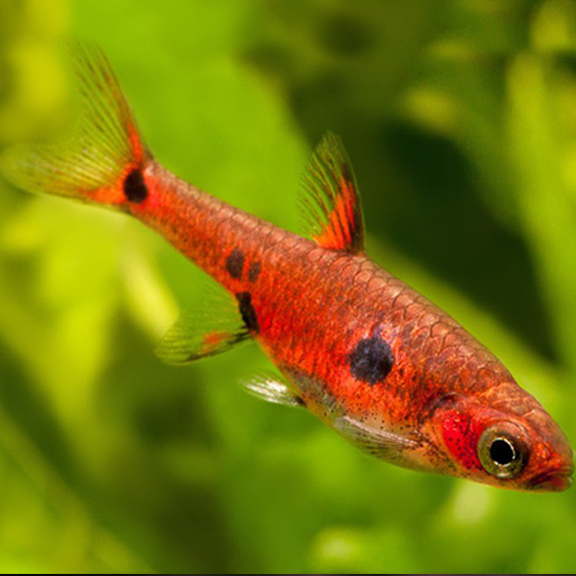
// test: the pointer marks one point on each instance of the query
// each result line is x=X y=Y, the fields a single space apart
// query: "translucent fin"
x=214 y=327
x=330 y=200
x=374 y=441
x=101 y=147
x=272 y=388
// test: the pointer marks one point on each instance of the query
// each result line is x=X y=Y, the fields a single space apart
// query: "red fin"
x=331 y=201
x=90 y=161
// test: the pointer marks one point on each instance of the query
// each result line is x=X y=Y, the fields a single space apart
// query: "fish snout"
x=558 y=477
x=554 y=482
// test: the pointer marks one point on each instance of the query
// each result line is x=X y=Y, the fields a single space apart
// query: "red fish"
x=371 y=357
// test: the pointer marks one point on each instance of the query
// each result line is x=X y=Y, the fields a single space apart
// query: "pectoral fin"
x=272 y=388
x=375 y=441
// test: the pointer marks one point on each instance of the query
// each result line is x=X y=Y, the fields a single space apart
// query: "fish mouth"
x=553 y=481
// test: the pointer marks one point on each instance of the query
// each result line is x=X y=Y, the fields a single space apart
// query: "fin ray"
x=377 y=442
x=202 y=332
x=272 y=388
x=330 y=201
x=100 y=146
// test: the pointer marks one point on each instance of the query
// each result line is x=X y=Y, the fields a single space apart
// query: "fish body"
x=367 y=354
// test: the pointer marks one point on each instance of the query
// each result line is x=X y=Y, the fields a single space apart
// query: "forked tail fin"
x=103 y=146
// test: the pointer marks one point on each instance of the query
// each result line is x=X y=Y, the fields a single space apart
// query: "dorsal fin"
x=330 y=199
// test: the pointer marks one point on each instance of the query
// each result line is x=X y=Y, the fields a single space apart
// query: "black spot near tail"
x=247 y=311
x=371 y=360
x=235 y=263
x=135 y=188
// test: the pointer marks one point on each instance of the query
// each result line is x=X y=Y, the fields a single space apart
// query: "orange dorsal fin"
x=331 y=203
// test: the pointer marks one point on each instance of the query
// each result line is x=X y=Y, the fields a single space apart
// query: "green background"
x=460 y=118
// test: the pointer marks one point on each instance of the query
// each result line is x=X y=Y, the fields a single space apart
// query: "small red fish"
x=367 y=354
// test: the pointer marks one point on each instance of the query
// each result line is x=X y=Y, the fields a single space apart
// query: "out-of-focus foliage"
x=460 y=118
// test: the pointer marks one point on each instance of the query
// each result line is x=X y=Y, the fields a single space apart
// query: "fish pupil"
x=135 y=188
x=502 y=452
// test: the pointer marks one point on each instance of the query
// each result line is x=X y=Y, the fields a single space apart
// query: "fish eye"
x=501 y=453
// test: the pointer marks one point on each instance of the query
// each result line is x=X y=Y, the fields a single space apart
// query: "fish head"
x=503 y=437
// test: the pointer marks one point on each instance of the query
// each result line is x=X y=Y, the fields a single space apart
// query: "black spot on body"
x=135 y=188
x=247 y=311
x=371 y=360
x=235 y=263
x=254 y=271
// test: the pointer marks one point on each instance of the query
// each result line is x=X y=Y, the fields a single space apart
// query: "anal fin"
x=214 y=327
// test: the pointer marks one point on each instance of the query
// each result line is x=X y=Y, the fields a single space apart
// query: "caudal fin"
x=93 y=158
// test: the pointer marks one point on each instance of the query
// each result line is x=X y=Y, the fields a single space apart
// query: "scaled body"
x=371 y=357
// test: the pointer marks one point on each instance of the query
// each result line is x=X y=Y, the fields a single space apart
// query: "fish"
x=369 y=356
